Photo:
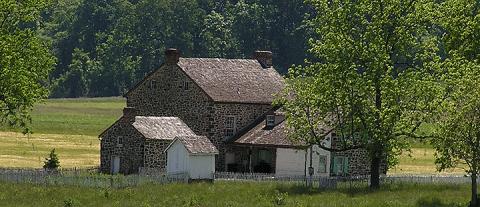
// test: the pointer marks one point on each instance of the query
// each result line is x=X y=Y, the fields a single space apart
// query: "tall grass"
x=234 y=194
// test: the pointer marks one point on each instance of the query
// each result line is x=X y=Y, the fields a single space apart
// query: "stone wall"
x=358 y=160
x=154 y=153
x=163 y=93
x=193 y=106
x=245 y=114
x=130 y=151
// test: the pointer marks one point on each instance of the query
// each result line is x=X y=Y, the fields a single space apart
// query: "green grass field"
x=71 y=126
x=232 y=194
x=83 y=116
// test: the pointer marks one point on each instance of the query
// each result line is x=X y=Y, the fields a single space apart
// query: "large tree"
x=458 y=134
x=371 y=79
x=25 y=60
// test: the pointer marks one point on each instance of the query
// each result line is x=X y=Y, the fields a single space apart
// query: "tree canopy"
x=372 y=77
x=120 y=41
x=457 y=139
x=25 y=60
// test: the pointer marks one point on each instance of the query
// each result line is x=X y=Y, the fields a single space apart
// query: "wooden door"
x=115 y=164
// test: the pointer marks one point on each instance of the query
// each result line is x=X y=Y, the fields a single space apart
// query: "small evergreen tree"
x=52 y=162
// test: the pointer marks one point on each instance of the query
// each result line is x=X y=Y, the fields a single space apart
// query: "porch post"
x=250 y=159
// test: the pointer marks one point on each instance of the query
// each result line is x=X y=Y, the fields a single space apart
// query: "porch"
x=250 y=159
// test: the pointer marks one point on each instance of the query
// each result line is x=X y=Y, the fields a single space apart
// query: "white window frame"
x=230 y=128
x=270 y=120
x=322 y=159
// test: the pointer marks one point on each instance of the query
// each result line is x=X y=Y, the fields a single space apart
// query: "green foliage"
x=280 y=198
x=68 y=203
x=52 y=162
x=25 y=61
x=458 y=134
x=105 y=47
x=372 y=78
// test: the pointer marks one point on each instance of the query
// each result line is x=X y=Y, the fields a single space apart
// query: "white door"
x=115 y=164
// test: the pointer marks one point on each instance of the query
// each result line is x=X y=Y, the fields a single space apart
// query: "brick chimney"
x=172 y=55
x=264 y=57
x=129 y=114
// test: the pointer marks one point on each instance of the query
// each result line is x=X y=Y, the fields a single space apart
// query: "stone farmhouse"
x=229 y=101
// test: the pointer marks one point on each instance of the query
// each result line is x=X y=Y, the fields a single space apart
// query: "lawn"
x=234 y=194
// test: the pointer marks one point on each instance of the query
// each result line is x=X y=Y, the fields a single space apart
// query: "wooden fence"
x=334 y=182
x=92 y=178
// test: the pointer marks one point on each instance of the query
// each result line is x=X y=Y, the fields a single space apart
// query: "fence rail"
x=351 y=181
x=90 y=177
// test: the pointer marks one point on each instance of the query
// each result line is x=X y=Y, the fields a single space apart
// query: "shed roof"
x=196 y=144
x=234 y=80
x=161 y=127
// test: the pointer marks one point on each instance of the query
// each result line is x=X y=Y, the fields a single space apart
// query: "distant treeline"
x=103 y=47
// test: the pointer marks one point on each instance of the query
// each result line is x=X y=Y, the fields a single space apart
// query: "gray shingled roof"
x=234 y=80
x=270 y=136
x=197 y=144
x=161 y=127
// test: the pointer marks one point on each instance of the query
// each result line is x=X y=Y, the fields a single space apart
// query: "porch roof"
x=261 y=135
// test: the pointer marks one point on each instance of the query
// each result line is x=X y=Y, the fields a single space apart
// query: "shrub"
x=280 y=198
x=52 y=162
x=68 y=203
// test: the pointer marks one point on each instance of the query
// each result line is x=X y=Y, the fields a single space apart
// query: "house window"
x=264 y=156
x=186 y=85
x=322 y=165
x=153 y=84
x=119 y=141
x=270 y=120
x=340 y=165
x=229 y=126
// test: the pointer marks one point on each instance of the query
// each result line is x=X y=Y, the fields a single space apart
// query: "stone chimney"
x=264 y=57
x=172 y=55
x=129 y=114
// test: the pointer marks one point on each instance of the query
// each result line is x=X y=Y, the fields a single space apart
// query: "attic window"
x=153 y=84
x=229 y=126
x=186 y=85
x=119 y=141
x=270 y=120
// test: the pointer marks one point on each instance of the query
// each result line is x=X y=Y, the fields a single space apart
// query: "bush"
x=68 y=203
x=52 y=162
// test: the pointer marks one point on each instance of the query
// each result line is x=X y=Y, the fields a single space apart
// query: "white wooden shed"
x=194 y=155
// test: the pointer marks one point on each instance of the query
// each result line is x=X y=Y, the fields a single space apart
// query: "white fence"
x=91 y=178
x=334 y=182
x=85 y=177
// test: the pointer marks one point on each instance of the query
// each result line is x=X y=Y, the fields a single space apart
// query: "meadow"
x=72 y=126
x=234 y=194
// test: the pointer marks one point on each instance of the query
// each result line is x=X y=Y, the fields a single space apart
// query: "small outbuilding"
x=194 y=155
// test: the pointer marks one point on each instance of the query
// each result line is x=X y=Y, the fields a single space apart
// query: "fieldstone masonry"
x=170 y=92
x=130 y=148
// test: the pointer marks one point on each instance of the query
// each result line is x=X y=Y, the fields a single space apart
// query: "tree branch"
x=318 y=140
x=413 y=135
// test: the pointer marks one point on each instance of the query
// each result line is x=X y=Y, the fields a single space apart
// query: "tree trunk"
x=474 y=199
x=375 y=172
